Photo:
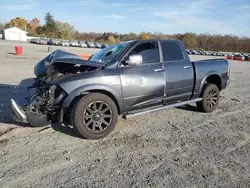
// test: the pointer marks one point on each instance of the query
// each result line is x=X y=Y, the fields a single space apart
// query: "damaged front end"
x=42 y=108
x=45 y=105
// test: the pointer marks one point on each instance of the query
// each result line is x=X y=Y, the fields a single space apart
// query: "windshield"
x=108 y=54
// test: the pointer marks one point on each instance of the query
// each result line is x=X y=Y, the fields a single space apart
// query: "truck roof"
x=174 y=40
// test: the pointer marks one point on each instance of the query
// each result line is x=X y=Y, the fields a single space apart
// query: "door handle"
x=187 y=67
x=158 y=70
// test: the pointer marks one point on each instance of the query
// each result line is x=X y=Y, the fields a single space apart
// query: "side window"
x=149 y=52
x=171 y=51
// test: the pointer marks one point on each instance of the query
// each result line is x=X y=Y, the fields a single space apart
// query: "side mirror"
x=134 y=60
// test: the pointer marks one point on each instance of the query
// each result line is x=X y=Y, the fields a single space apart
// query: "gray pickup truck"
x=130 y=78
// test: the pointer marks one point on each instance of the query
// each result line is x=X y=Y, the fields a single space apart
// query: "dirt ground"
x=176 y=148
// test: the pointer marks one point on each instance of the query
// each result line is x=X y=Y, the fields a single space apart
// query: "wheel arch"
x=106 y=90
x=108 y=93
x=213 y=78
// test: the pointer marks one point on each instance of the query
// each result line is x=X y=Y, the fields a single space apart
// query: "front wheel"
x=210 y=98
x=94 y=116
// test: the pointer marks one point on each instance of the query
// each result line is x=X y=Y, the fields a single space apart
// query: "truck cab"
x=164 y=74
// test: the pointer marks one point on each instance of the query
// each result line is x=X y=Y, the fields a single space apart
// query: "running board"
x=161 y=108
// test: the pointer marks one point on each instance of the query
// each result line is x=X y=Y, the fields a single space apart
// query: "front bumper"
x=225 y=84
x=18 y=113
x=36 y=120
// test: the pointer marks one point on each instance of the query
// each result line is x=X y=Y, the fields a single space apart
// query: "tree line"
x=62 y=30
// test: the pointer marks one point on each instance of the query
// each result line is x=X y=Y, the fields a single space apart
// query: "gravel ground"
x=176 y=148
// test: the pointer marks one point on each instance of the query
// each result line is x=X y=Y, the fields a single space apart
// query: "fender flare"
x=210 y=73
x=85 y=89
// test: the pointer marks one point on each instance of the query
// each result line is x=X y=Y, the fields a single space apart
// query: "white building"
x=15 y=33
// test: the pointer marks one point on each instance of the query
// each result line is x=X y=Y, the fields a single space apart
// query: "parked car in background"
x=64 y=43
x=198 y=52
x=104 y=45
x=83 y=44
x=90 y=44
x=238 y=57
x=43 y=41
x=53 y=42
x=194 y=52
x=207 y=53
x=202 y=52
x=98 y=45
x=32 y=40
x=95 y=46
x=38 y=41
x=213 y=54
x=222 y=54
x=247 y=57
x=74 y=43
x=191 y=52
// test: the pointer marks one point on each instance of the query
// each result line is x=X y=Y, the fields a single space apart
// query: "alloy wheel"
x=97 y=116
x=212 y=98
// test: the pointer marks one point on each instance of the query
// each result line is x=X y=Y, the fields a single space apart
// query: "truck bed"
x=203 y=68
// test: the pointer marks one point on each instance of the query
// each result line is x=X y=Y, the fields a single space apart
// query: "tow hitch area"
x=18 y=112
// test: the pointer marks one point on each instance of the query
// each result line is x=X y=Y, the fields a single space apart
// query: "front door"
x=143 y=84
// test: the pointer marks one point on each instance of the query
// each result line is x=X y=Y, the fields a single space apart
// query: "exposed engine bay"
x=65 y=69
x=44 y=103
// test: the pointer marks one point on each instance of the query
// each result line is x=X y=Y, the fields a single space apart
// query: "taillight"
x=229 y=71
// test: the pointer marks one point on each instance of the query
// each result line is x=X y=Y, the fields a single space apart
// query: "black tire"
x=94 y=116
x=210 y=98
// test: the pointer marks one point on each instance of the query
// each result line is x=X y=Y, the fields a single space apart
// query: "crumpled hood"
x=60 y=56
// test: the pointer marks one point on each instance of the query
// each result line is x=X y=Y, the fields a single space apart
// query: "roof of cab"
x=172 y=40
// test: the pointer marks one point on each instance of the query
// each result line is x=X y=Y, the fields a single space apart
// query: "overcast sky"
x=204 y=16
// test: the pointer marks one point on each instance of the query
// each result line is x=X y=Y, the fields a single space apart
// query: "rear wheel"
x=94 y=116
x=210 y=98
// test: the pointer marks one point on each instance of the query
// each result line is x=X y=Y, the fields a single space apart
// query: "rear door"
x=179 y=72
x=143 y=84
